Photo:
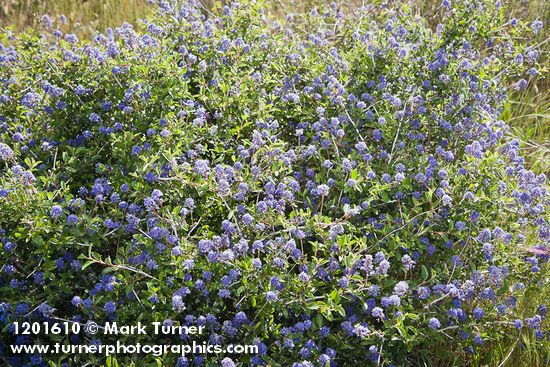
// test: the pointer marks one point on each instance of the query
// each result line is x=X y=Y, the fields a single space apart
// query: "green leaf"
x=87 y=263
x=424 y=272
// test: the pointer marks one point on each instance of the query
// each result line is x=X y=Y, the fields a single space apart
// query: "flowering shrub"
x=337 y=189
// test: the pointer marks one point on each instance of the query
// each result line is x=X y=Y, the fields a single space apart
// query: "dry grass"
x=84 y=16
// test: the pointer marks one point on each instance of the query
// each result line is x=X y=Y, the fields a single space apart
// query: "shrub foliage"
x=336 y=189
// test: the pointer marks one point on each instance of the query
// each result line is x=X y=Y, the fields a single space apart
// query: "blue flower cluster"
x=337 y=189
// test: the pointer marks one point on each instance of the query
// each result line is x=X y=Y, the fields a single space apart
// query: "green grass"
x=528 y=112
x=517 y=350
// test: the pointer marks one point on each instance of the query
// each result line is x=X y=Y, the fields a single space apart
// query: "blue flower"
x=177 y=303
x=377 y=135
x=378 y=313
x=227 y=362
x=77 y=301
x=56 y=211
x=536 y=26
x=401 y=288
x=110 y=307
x=434 y=323
x=362 y=331
x=94 y=117
x=408 y=263
x=478 y=313
x=272 y=296
x=6 y=153
x=202 y=167
x=322 y=190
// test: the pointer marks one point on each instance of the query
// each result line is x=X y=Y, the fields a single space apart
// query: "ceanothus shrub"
x=335 y=189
